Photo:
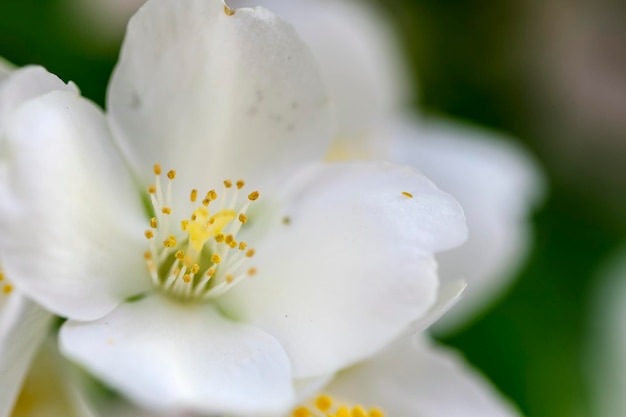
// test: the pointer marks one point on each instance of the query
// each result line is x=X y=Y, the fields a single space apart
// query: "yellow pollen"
x=300 y=412
x=376 y=412
x=219 y=238
x=180 y=255
x=229 y=278
x=232 y=244
x=228 y=11
x=243 y=218
x=228 y=183
x=153 y=222
x=210 y=272
x=166 y=210
x=206 y=202
x=7 y=289
x=157 y=169
x=240 y=184
x=243 y=246
x=170 y=242
x=252 y=271
x=253 y=195
x=194 y=195
x=187 y=278
x=1 y=276
x=216 y=259
x=147 y=255
x=343 y=411
x=407 y=194
x=171 y=174
x=195 y=268
x=184 y=224
x=152 y=189
x=250 y=253
x=212 y=195
x=359 y=412
x=323 y=403
x=229 y=239
x=149 y=234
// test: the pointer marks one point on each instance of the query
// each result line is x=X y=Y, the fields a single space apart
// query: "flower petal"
x=70 y=219
x=23 y=326
x=352 y=266
x=417 y=378
x=170 y=356
x=220 y=96
x=359 y=60
x=18 y=86
x=497 y=183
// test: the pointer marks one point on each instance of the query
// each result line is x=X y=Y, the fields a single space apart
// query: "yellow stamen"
x=252 y=271
x=171 y=174
x=240 y=184
x=152 y=189
x=149 y=234
x=250 y=253
x=193 y=196
x=7 y=289
x=228 y=183
x=180 y=255
x=187 y=278
x=253 y=195
x=323 y=403
x=243 y=218
x=359 y=411
x=216 y=259
x=157 y=169
x=300 y=412
x=376 y=412
x=153 y=222
x=407 y=194
x=243 y=246
x=166 y=210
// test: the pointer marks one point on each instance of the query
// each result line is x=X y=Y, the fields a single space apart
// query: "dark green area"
x=531 y=344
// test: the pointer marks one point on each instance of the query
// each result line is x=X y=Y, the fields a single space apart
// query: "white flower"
x=23 y=324
x=187 y=319
x=496 y=181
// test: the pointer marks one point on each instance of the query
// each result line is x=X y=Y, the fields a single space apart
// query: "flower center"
x=200 y=258
x=326 y=406
x=7 y=287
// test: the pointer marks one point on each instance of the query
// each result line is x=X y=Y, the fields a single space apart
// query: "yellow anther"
x=229 y=239
x=233 y=244
x=166 y=210
x=219 y=238
x=193 y=196
x=153 y=222
x=240 y=184
x=343 y=411
x=253 y=195
x=228 y=183
x=243 y=218
x=171 y=174
x=157 y=169
x=243 y=246
x=251 y=272
x=195 y=268
x=7 y=289
x=229 y=278
x=152 y=189
x=1 y=276
x=228 y=11
x=149 y=234
x=187 y=278
x=147 y=255
x=210 y=272
x=206 y=202
x=250 y=253
x=216 y=259
x=359 y=411
x=300 y=412
x=376 y=412
x=407 y=194
x=323 y=402
x=184 y=224
x=212 y=195
x=170 y=242
x=180 y=255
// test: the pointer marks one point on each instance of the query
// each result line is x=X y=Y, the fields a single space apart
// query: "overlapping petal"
x=215 y=95
x=169 y=356
x=72 y=235
x=496 y=182
x=416 y=378
x=349 y=262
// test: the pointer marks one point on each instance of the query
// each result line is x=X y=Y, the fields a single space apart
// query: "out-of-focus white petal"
x=360 y=62
x=71 y=232
x=169 y=356
x=417 y=378
x=347 y=263
x=216 y=96
x=606 y=366
x=20 y=85
x=497 y=183
x=23 y=326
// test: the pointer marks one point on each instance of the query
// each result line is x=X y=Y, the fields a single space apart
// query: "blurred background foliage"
x=551 y=73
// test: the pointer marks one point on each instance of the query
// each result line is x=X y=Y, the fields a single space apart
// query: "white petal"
x=70 y=219
x=606 y=365
x=216 y=96
x=169 y=356
x=497 y=183
x=352 y=267
x=18 y=86
x=23 y=326
x=359 y=60
x=419 y=379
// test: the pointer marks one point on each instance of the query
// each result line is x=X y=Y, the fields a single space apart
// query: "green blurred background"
x=552 y=74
